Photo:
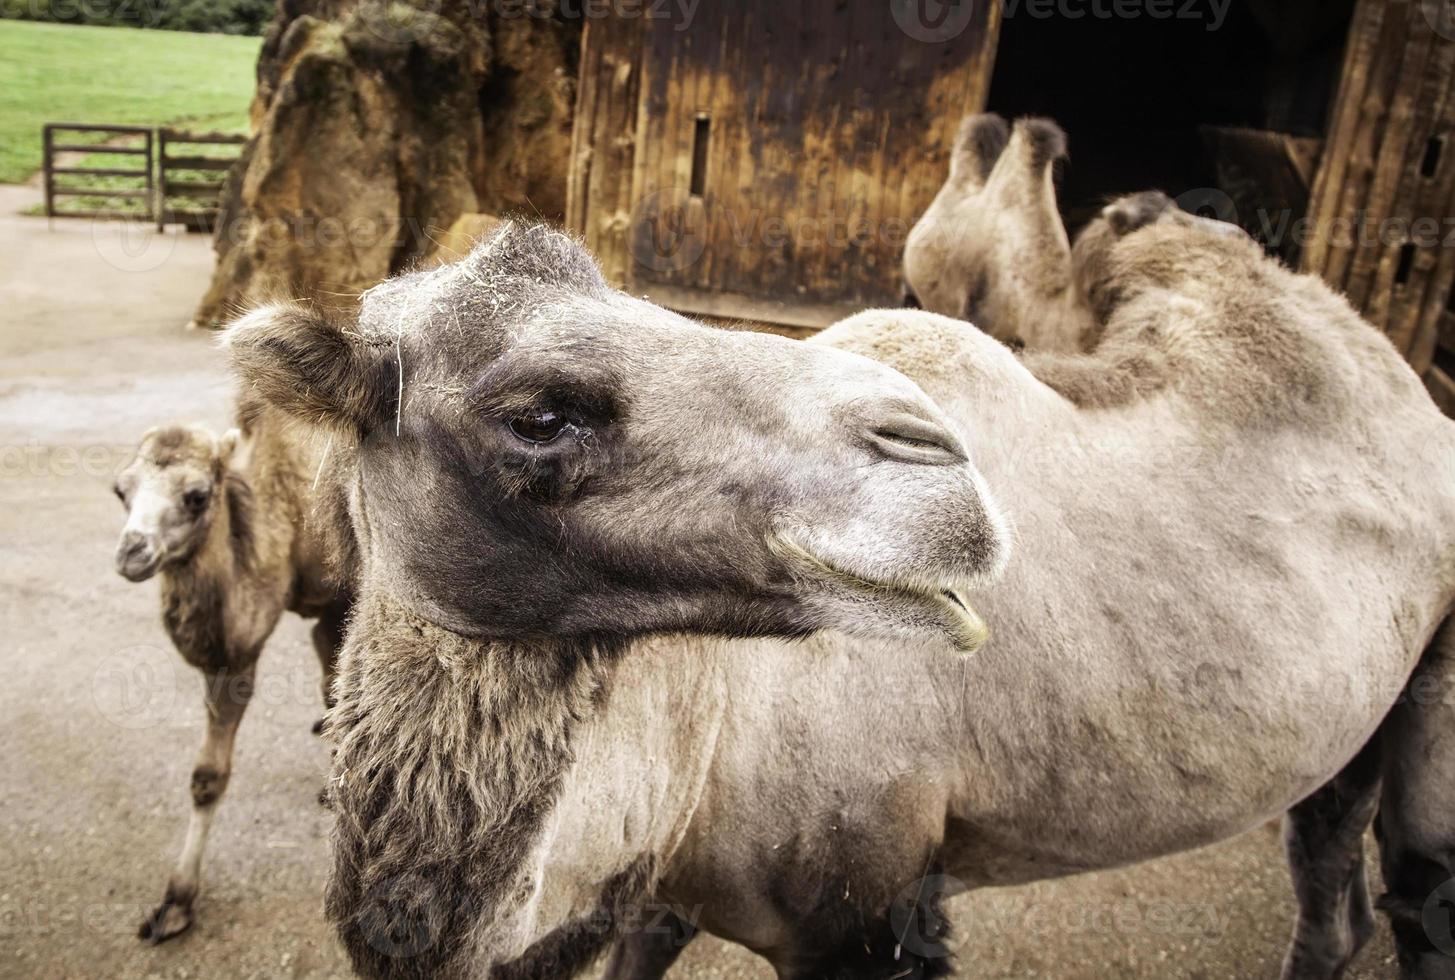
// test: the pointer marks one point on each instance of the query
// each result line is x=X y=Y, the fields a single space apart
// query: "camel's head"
x=539 y=455
x=171 y=490
x=991 y=249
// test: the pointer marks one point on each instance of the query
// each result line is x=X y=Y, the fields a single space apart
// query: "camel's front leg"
x=226 y=695
x=1324 y=835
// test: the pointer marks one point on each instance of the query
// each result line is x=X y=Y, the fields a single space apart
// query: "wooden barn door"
x=1382 y=212
x=767 y=163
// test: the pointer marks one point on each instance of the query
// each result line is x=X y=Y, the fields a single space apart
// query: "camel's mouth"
x=947 y=605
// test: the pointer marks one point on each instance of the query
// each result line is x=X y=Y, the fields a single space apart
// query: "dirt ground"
x=101 y=720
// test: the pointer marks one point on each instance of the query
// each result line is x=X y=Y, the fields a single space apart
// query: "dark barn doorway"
x=1179 y=95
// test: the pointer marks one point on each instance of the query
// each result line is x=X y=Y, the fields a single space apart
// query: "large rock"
x=376 y=125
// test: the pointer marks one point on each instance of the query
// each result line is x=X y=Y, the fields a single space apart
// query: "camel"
x=223 y=522
x=657 y=625
x=991 y=248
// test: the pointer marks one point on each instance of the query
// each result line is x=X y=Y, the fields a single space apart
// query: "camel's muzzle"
x=137 y=558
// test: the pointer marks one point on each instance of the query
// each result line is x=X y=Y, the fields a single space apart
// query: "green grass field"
x=65 y=73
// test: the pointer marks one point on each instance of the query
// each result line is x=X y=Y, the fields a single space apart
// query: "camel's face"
x=569 y=461
x=991 y=248
x=170 y=490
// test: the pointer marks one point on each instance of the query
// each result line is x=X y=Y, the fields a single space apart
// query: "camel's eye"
x=196 y=500
x=540 y=426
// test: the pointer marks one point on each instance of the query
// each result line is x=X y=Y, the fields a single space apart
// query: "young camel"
x=1255 y=522
x=234 y=546
x=991 y=248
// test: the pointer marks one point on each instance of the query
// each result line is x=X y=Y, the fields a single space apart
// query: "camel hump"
x=1194 y=306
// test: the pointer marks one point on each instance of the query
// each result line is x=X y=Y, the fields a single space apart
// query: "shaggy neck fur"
x=195 y=588
x=451 y=753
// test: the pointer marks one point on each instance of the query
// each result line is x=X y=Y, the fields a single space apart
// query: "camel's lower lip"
x=964 y=626
x=973 y=632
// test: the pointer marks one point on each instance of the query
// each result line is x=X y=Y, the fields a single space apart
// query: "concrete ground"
x=99 y=720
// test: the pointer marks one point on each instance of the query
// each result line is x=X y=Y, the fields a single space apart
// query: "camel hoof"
x=166 y=920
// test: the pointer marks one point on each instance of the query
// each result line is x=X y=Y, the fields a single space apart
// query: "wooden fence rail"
x=173 y=187
x=104 y=135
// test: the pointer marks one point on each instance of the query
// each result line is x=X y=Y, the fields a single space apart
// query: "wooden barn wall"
x=828 y=133
x=1383 y=201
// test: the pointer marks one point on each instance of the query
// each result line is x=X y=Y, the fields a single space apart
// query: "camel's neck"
x=451 y=753
x=195 y=590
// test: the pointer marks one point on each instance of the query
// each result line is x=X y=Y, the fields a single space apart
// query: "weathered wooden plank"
x=187 y=136
x=197 y=163
x=100 y=171
x=1391 y=166
x=1430 y=205
x=60 y=190
x=1430 y=306
x=1365 y=151
x=212 y=187
x=603 y=141
x=828 y=133
x=121 y=150
x=1441 y=389
x=1364 y=32
x=1385 y=194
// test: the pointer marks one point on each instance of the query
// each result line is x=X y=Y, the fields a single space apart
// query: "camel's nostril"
x=911 y=439
x=136 y=559
x=911 y=301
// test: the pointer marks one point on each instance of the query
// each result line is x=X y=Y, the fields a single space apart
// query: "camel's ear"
x=227 y=446
x=977 y=146
x=233 y=451
x=312 y=369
